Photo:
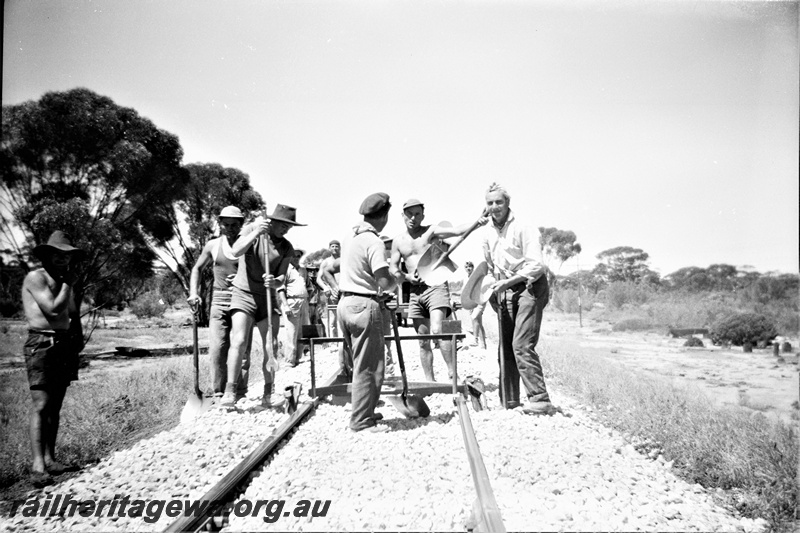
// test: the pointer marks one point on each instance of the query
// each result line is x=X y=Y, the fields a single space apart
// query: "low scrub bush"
x=694 y=342
x=566 y=300
x=148 y=305
x=742 y=328
x=621 y=293
x=632 y=324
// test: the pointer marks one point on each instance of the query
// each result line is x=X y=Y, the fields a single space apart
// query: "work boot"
x=539 y=408
x=270 y=399
x=229 y=398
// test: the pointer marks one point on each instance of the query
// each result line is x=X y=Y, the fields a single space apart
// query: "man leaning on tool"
x=217 y=253
x=249 y=300
x=519 y=296
x=363 y=280
x=55 y=338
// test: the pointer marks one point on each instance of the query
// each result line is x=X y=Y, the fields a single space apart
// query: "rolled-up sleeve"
x=530 y=267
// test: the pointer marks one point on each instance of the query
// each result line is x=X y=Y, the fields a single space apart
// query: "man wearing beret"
x=55 y=339
x=520 y=294
x=217 y=253
x=254 y=277
x=363 y=283
x=428 y=306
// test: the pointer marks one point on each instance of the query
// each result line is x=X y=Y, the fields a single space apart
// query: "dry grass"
x=753 y=456
x=107 y=409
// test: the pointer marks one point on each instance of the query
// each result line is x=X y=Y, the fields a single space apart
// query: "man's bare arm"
x=386 y=281
x=327 y=271
x=246 y=240
x=52 y=306
x=197 y=269
x=394 y=262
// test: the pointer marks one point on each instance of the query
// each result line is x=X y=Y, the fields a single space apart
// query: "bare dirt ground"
x=758 y=380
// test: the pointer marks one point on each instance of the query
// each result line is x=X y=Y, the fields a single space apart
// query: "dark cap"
x=411 y=203
x=334 y=241
x=374 y=203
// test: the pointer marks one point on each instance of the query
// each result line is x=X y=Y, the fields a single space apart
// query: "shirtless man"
x=428 y=306
x=217 y=253
x=330 y=298
x=55 y=338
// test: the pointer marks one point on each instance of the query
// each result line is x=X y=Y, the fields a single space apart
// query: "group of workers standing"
x=255 y=266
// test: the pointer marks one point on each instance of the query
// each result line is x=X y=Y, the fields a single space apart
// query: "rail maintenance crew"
x=55 y=338
x=364 y=279
x=217 y=252
x=249 y=300
x=520 y=293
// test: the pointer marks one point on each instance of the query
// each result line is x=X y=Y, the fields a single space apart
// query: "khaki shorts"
x=425 y=299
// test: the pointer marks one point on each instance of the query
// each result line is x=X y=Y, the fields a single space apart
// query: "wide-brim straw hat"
x=284 y=213
x=478 y=288
x=58 y=241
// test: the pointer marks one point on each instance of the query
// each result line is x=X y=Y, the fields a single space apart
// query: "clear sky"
x=666 y=126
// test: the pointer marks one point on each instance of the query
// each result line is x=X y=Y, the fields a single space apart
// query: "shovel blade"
x=438 y=275
x=412 y=406
x=195 y=407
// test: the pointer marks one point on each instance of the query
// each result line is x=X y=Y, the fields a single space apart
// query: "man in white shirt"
x=520 y=295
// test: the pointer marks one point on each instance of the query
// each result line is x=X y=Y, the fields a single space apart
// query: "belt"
x=370 y=296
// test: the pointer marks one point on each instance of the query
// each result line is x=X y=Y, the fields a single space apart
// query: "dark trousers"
x=521 y=319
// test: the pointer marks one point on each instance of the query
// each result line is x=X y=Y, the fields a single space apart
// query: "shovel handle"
x=399 y=351
x=269 y=346
x=442 y=258
x=196 y=351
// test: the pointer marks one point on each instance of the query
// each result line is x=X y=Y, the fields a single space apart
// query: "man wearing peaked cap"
x=55 y=339
x=254 y=277
x=218 y=254
x=428 y=305
x=364 y=279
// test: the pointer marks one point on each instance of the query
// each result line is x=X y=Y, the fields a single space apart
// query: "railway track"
x=485 y=515
x=563 y=472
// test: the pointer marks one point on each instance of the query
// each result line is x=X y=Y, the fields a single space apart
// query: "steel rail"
x=228 y=488
x=485 y=512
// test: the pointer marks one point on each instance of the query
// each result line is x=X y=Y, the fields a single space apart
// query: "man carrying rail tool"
x=251 y=303
x=428 y=306
x=519 y=296
x=363 y=283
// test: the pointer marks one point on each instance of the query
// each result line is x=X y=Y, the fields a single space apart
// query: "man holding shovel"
x=428 y=305
x=519 y=296
x=250 y=301
x=364 y=279
x=217 y=253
